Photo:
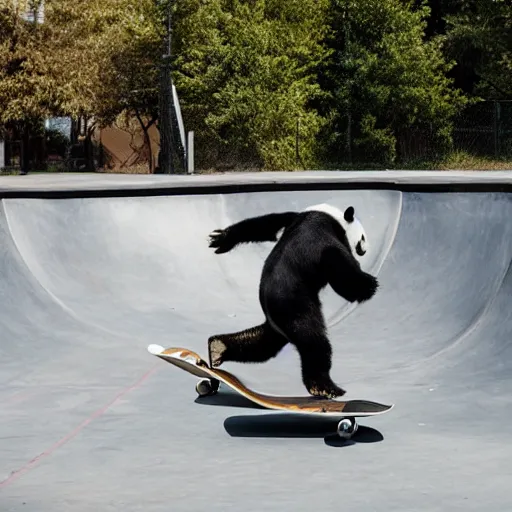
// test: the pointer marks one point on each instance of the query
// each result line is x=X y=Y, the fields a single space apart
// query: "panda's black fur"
x=312 y=252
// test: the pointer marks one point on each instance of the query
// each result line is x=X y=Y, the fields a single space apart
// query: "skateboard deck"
x=346 y=411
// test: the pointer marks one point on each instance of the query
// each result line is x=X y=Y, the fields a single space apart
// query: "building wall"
x=123 y=147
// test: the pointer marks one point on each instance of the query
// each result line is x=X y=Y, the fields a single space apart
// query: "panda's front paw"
x=368 y=286
x=219 y=239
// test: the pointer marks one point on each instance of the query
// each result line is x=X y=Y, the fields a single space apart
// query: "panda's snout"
x=359 y=249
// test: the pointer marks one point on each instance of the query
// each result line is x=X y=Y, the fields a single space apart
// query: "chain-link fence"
x=481 y=130
x=485 y=129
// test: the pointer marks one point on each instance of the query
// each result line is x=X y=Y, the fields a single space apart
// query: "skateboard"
x=210 y=379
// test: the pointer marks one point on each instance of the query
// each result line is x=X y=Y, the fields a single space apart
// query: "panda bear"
x=315 y=247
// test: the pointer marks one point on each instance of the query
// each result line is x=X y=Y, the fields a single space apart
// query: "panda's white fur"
x=279 y=234
x=354 y=230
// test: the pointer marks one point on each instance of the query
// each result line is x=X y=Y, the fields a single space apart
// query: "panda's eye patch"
x=363 y=238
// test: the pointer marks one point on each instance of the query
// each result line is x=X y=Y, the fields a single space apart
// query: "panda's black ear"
x=349 y=214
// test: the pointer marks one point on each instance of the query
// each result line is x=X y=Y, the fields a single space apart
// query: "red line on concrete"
x=20 y=396
x=31 y=464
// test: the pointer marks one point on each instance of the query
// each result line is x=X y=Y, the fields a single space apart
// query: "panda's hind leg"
x=315 y=353
x=308 y=333
x=254 y=345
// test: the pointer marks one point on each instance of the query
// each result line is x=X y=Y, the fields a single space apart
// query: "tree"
x=95 y=59
x=246 y=72
x=27 y=89
x=48 y=69
x=479 y=37
x=128 y=82
x=386 y=80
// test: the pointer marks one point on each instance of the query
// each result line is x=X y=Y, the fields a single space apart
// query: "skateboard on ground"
x=210 y=379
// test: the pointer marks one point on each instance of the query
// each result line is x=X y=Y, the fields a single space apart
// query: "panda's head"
x=354 y=230
x=356 y=234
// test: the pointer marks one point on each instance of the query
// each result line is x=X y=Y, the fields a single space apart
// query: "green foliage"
x=128 y=81
x=479 y=36
x=380 y=143
x=260 y=79
x=51 y=68
x=386 y=79
x=80 y=61
x=246 y=75
x=26 y=89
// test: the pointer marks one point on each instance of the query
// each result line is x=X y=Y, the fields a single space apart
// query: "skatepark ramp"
x=96 y=268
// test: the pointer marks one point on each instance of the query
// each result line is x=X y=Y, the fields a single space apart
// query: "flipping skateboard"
x=210 y=379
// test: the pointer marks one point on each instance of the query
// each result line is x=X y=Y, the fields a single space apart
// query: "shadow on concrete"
x=296 y=426
x=228 y=399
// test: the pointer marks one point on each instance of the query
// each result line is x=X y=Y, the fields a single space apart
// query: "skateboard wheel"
x=347 y=427
x=205 y=388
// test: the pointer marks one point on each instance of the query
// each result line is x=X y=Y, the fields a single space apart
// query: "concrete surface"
x=90 y=421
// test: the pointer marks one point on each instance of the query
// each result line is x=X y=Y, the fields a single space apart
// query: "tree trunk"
x=25 y=148
x=147 y=139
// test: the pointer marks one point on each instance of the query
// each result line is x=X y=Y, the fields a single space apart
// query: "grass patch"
x=457 y=160
x=134 y=169
x=464 y=161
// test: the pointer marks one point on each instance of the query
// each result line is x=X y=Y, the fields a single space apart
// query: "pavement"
x=89 y=420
